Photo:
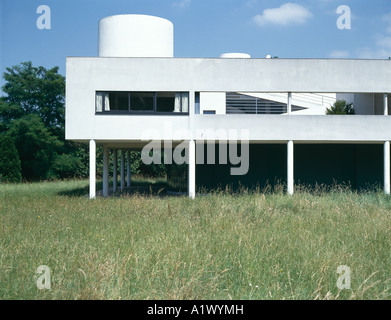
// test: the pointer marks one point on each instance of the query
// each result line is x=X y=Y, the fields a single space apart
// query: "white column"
x=115 y=173
x=387 y=167
x=105 y=171
x=128 y=171
x=289 y=103
x=192 y=169
x=92 y=169
x=122 y=169
x=192 y=102
x=386 y=104
x=290 y=168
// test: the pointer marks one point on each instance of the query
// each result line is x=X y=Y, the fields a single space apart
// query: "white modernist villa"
x=135 y=92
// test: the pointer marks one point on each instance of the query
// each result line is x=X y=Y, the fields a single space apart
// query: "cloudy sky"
x=203 y=28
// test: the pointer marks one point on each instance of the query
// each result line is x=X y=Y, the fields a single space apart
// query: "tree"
x=8 y=113
x=32 y=115
x=10 y=170
x=340 y=107
x=36 y=146
x=37 y=90
x=64 y=166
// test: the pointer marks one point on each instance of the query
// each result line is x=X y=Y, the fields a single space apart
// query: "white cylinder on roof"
x=235 y=55
x=134 y=35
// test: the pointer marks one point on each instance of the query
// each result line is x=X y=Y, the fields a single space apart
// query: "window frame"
x=153 y=112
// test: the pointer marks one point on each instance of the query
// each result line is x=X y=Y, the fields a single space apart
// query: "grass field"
x=221 y=246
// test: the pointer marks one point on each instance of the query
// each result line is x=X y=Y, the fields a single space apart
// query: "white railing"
x=275 y=103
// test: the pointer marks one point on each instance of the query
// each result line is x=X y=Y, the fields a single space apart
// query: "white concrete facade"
x=212 y=101
x=119 y=69
x=85 y=76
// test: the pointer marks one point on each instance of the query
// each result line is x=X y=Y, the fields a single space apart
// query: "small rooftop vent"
x=236 y=55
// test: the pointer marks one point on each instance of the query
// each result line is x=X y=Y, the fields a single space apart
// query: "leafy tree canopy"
x=32 y=118
x=36 y=146
x=37 y=90
x=8 y=113
x=10 y=170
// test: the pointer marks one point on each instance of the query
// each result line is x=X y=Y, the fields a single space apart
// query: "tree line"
x=32 y=130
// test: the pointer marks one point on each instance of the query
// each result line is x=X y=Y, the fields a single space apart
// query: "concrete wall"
x=85 y=76
x=212 y=101
x=233 y=75
x=363 y=103
x=366 y=103
x=303 y=128
x=257 y=128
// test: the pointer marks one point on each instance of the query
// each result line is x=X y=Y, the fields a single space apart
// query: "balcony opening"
x=240 y=103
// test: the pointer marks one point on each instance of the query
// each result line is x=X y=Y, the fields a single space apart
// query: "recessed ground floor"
x=359 y=166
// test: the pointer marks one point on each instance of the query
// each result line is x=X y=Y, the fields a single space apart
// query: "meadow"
x=244 y=245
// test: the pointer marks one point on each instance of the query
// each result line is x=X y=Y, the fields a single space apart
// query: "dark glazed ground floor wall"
x=359 y=165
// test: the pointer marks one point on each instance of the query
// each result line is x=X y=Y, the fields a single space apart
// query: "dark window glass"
x=141 y=101
x=209 y=111
x=165 y=102
x=118 y=101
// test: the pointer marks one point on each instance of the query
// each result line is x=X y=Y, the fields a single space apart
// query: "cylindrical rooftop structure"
x=134 y=35
x=235 y=55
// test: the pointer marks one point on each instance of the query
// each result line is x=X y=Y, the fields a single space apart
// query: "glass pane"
x=141 y=101
x=118 y=101
x=167 y=102
x=197 y=103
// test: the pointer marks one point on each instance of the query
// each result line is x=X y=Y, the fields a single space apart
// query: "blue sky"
x=202 y=28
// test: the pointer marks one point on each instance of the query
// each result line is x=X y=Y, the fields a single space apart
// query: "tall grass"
x=247 y=245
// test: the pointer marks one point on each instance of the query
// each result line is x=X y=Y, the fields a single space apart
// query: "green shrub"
x=36 y=146
x=340 y=107
x=10 y=169
x=64 y=166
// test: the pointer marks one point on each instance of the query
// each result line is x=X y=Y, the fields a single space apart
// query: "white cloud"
x=382 y=50
x=182 y=3
x=339 y=54
x=370 y=53
x=287 y=14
